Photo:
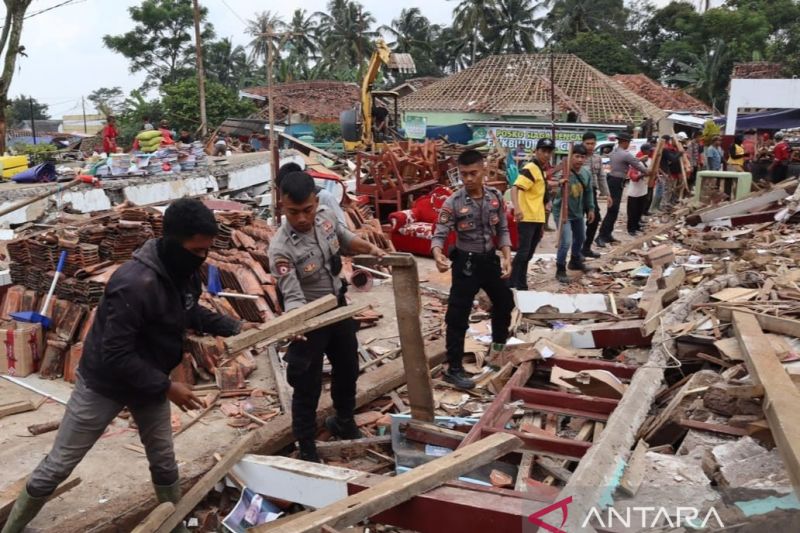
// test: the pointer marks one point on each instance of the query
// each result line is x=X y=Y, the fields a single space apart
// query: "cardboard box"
x=21 y=348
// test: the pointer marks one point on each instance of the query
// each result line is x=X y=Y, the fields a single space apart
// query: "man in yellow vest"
x=530 y=198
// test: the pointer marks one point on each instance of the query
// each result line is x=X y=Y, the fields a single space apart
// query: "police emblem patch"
x=282 y=268
x=311 y=267
x=444 y=216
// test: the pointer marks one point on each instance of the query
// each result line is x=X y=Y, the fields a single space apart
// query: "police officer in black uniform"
x=305 y=258
x=478 y=216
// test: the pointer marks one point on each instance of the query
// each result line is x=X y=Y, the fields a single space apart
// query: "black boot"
x=577 y=264
x=459 y=378
x=561 y=274
x=308 y=451
x=344 y=428
x=588 y=252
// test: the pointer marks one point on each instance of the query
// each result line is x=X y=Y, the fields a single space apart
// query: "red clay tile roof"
x=319 y=101
x=666 y=98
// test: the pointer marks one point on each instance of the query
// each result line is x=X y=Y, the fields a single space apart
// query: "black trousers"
x=304 y=373
x=470 y=273
x=636 y=208
x=779 y=173
x=591 y=227
x=530 y=233
x=615 y=187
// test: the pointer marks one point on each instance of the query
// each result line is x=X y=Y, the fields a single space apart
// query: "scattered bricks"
x=53 y=359
x=229 y=378
x=661 y=255
x=184 y=372
x=501 y=479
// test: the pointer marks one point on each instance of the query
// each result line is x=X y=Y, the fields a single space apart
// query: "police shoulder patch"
x=445 y=215
x=282 y=267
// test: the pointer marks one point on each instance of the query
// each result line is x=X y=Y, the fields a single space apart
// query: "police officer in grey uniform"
x=594 y=164
x=621 y=161
x=305 y=259
x=478 y=216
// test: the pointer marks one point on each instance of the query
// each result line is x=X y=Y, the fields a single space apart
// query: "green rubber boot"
x=25 y=509
x=170 y=493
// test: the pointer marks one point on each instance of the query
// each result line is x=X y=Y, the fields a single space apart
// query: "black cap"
x=647 y=148
x=545 y=144
x=624 y=136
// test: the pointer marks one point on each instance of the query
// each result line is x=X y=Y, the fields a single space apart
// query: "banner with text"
x=526 y=138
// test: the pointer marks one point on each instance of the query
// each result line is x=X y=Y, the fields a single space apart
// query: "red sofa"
x=412 y=229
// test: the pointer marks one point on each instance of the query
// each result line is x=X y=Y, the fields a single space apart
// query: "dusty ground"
x=112 y=474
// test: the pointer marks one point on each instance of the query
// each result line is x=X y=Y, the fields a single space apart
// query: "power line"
x=235 y=13
x=45 y=10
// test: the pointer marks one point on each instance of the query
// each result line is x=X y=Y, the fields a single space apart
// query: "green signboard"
x=415 y=127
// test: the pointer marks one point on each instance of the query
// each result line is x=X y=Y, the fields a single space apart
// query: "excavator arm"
x=382 y=56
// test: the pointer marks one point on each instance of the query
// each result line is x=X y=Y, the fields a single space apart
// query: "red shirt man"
x=110 y=134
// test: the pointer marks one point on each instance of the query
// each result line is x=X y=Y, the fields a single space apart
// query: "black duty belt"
x=617 y=177
x=477 y=255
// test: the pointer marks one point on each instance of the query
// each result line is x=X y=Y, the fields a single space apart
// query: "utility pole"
x=201 y=84
x=553 y=94
x=273 y=141
x=83 y=106
x=33 y=120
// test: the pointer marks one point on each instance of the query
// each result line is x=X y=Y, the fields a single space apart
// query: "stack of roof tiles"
x=316 y=101
x=666 y=98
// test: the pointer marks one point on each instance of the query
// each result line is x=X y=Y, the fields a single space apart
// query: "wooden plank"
x=584 y=435
x=211 y=402
x=278 y=433
x=781 y=396
x=335 y=448
x=430 y=433
x=13 y=408
x=10 y=493
x=156 y=518
x=408 y=306
x=634 y=473
x=775 y=324
x=713 y=428
x=280 y=325
x=524 y=471
x=284 y=390
x=553 y=469
x=399 y=489
x=739 y=207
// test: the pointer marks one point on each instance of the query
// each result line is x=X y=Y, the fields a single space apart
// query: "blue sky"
x=67 y=59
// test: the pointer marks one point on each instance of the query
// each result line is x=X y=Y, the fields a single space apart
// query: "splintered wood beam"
x=408 y=306
x=781 y=396
x=394 y=491
x=280 y=325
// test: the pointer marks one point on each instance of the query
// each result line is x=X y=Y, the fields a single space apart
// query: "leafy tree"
x=346 y=39
x=705 y=74
x=135 y=109
x=604 y=52
x=473 y=18
x=19 y=109
x=107 y=100
x=181 y=101
x=302 y=42
x=9 y=50
x=260 y=28
x=515 y=28
x=568 y=18
x=227 y=64
x=162 y=41
x=412 y=33
x=451 y=51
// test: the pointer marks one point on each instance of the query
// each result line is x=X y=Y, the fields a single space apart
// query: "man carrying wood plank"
x=580 y=201
x=135 y=341
x=478 y=216
x=594 y=164
x=305 y=259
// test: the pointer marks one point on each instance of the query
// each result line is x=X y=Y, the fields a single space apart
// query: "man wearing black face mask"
x=135 y=341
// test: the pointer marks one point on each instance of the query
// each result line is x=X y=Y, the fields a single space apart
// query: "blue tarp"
x=39 y=173
x=775 y=119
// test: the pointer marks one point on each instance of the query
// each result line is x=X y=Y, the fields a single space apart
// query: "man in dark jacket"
x=135 y=341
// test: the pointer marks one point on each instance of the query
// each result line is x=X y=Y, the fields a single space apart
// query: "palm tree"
x=346 y=34
x=302 y=41
x=451 y=52
x=226 y=63
x=473 y=17
x=568 y=18
x=413 y=34
x=258 y=28
x=704 y=74
x=516 y=27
